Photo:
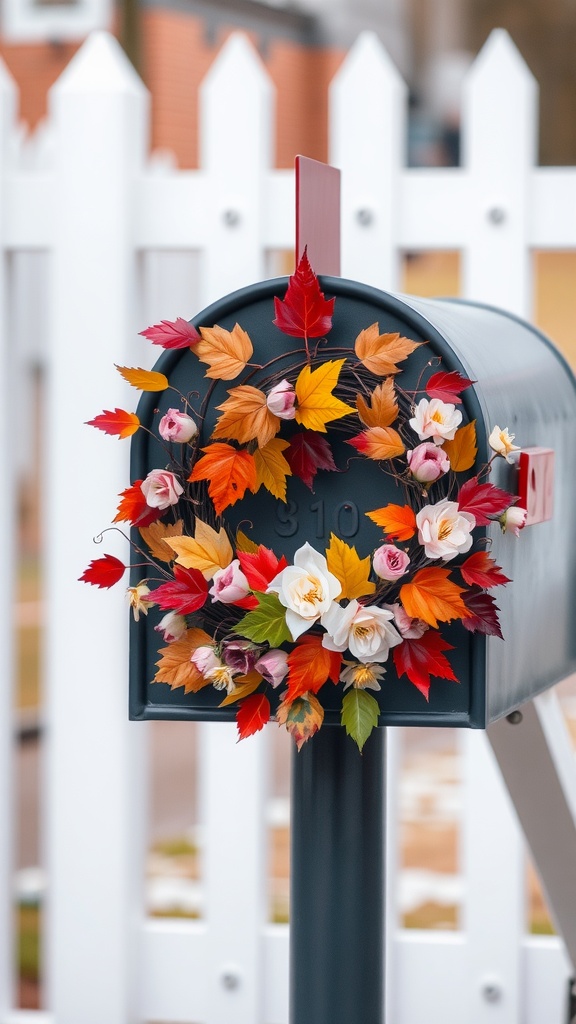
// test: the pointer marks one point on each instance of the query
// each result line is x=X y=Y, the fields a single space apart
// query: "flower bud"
x=172 y=627
x=273 y=666
x=427 y=462
x=281 y=400
x=513 y=520
x=177 y=426
x=230 y=584
x=161 y=489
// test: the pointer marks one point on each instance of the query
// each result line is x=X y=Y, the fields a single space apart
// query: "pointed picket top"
x=237 y=58
x=367 y=142
x=99 y=66
x=500 y=96
x=8 y=110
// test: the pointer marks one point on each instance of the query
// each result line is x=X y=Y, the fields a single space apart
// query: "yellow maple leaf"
x=381 y=352
x=272 y=468
x=154 y=535
x=226 y=352
x=462 y=450
x=245 y=416
x=383 y=408
x=207 y=550
x=352 y=571
x=317 y=406
x=243 y=543
x=144 y=380
x=243 y=686
x=175 y=666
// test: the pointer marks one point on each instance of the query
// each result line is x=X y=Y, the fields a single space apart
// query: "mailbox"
x=520 y=383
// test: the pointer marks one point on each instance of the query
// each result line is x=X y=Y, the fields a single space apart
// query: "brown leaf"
x=226 y=352
x=383 y=409
x=153 y=536
x=243 y=686
x=381 y=352
x=244 y=544
x=245 y=416
x=175 y=666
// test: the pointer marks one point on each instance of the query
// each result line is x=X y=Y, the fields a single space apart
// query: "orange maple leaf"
x=397 y=521
x=175 y=666
x=383 y=408
x=229 y=472
x=144 y=380
x=133 y=508
x=245 y=416
x=378 y=443
x=381 y=352
x=226 y=352
x=310 y=665
x=432 y=596
x=154 y=535
x=463 y=449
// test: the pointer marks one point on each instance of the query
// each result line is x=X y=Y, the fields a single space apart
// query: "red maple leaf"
x=172 y=334
x=483 y=500
x=186 y=594
x=481 y=570
x=133 y=508
x=304 y=313
x=252 y=714
x=447 y=386
x=119 y=422
x=309 y=452
x=483 y=616
x=104 y=572
x=261 y=567
x=419 y=659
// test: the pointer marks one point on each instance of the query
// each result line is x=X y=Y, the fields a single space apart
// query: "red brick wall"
x=35 y=67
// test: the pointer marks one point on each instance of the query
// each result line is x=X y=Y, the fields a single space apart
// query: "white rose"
x=444 y=530
x=366 y=632
x=436 y=419
x=306 y=589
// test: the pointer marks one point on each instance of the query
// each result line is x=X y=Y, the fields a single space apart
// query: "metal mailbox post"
x=337 y=912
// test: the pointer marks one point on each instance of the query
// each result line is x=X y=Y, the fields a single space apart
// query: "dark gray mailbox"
x=355 y=462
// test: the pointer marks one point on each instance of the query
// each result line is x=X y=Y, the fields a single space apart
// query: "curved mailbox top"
x=522 y=383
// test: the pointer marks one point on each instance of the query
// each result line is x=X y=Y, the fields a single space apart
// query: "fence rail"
x=100 y=209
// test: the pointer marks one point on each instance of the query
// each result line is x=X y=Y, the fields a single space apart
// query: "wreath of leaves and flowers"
x=272 y=633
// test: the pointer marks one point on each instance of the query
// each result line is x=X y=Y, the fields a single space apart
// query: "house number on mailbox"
x=345 y=518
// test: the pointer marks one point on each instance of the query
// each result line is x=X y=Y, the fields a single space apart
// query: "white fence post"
x=7 y=533
x=95 y=777
x=367 y=141
x=499 y=134
x=236 y=147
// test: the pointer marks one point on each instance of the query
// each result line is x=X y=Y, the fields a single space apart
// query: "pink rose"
x=172 y=627
x=390 y=562
x=513 y=520
x=177 y=426
x=281 y=400
x=427 y=462
x=273 y=666
x=229 y=584
x=409 y=628
x=161 y=489
x=240 y=655
x=205 y=659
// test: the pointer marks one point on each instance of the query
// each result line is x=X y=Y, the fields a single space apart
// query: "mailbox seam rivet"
x=365 y=216
x=496 y=214
x=515 y=717
x=231 y=218
x=491 y=990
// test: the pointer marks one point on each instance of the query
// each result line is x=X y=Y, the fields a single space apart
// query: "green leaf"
x=266 y=622
x=360 y=712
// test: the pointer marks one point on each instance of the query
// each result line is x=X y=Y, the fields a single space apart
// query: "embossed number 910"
x=345 y=518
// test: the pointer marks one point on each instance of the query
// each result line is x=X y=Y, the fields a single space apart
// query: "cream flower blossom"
x=513 y=520
x=306 y=589
x=436 y=420
x=445 y=531
x=500 y=442
x=367 y=632
x=213 y=668
x=137 y=599
x=362 y=676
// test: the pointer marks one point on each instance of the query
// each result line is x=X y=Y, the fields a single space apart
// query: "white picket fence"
x=92 y=200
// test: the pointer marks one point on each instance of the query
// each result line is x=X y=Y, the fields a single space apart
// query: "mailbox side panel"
x=524 y=384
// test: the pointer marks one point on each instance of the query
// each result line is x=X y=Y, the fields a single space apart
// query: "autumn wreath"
x=269 y=631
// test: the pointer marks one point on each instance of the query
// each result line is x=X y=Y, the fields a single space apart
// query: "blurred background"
x=302 y=43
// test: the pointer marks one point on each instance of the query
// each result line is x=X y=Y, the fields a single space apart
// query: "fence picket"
x=7 y=533
x=94 y=759
x=367 y=140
